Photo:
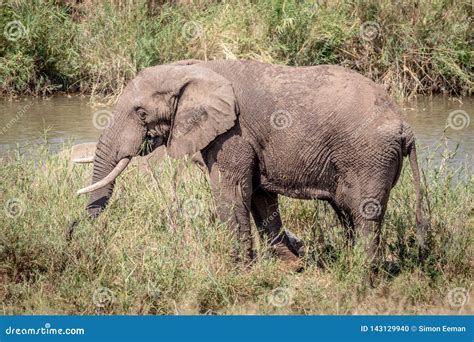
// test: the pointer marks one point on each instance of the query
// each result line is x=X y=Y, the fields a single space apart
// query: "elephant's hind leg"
x=368 y=213
x=365 y=202
x=266 y=215
x=267 y=218
x=345 y=218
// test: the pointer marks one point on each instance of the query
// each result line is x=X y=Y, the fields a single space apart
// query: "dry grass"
x=158 y=249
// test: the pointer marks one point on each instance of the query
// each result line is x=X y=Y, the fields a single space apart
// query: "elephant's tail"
x=409 y=149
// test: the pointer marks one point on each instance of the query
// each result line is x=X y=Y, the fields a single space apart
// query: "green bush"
x=419 y=46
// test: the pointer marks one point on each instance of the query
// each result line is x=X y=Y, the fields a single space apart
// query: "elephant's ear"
x=206 y=108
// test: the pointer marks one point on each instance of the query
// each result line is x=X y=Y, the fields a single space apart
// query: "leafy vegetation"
x=94 y=47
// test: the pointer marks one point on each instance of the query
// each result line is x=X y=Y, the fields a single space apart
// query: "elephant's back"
x=313 y=124
x=313 y=102
x=323 y=90
x=308 y=99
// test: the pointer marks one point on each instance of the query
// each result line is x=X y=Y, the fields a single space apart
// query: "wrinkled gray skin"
x=322 y=132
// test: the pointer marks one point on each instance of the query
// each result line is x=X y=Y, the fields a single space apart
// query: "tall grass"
x=96 y=46
x=159 y=249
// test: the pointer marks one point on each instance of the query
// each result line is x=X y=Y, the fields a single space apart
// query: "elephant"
x=316 y=132
x=83 y=153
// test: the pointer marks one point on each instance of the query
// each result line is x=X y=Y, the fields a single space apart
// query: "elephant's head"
x=181 y=106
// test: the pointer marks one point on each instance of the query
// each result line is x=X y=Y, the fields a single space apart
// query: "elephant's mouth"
x=151 y=142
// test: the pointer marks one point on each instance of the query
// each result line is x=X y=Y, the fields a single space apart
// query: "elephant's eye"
x=141 y=114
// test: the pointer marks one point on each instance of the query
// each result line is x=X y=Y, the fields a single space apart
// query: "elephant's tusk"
x=121 y=165
x=83 y=160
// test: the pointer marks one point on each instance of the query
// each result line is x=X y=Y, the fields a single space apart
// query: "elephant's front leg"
x=233 y=195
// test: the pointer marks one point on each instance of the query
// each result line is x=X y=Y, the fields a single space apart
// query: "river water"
x=437 y=120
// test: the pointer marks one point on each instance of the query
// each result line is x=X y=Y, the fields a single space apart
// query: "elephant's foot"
x=289 y=262
x=294 y=243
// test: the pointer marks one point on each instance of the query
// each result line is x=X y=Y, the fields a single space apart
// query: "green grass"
x=159 y=249
x=420 y=47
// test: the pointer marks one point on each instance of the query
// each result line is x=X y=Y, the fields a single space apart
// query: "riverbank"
x=158 y=248
x=438 y=122
x=94 y=47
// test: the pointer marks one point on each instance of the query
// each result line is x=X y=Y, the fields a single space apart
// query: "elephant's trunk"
x=118 y=143
x=110 y=160
x=104 y=164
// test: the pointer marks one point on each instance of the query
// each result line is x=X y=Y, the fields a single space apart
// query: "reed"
x=94 y=47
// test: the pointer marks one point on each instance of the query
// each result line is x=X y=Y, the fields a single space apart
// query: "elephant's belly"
x=293 y=176
x=298 y=191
